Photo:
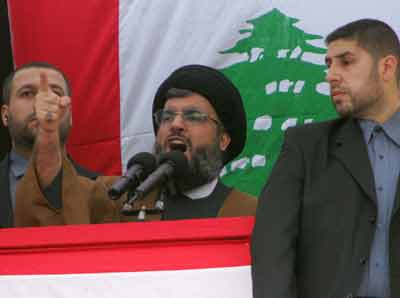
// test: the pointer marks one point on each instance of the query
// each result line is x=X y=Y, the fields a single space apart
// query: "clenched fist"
x=49 y=107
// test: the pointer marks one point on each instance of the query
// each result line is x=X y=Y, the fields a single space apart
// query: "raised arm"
x=50 y=109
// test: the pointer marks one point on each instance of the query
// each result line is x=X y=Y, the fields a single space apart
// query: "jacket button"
x=372 y=220
x=363 y=261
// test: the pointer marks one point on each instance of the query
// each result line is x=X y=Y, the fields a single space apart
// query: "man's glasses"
x=190 y=116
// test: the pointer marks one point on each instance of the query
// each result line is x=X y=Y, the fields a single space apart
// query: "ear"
x=4 y=115
x=387 y=68
x=224 y=141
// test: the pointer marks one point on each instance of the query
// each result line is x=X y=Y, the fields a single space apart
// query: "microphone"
x=172 y=164
x=139 y=167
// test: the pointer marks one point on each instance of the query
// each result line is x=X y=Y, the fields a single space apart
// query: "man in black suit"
x=328 y=222
x=18 y=115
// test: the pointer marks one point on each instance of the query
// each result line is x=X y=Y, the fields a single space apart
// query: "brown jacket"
x=86 y=201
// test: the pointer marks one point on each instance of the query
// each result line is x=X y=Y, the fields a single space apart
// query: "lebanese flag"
x=116 y=53
x=190 y=258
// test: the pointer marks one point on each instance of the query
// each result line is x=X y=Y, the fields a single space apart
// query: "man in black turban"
x=197 y=110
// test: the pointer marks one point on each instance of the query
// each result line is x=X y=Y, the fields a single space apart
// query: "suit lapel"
x=6 y=216
x=351 y=150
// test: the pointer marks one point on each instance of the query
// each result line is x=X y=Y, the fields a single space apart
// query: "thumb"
x=65 y=101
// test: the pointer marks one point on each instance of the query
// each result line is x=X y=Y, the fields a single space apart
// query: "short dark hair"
x=37 y=64
x=374 y=36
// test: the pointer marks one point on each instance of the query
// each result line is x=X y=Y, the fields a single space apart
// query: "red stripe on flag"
x=126 y=247
x=81 y=38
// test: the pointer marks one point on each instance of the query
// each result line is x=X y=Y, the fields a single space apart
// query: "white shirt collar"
x=202 y=191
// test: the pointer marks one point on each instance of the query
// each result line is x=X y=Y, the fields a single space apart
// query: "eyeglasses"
x=191 y=116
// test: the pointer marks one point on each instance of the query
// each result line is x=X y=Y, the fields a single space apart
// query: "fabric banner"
x=188 y=258
x=117 y=53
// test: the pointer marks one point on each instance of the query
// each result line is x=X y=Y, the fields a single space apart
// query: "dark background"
x=6 y=66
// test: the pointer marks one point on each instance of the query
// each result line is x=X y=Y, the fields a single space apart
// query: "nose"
x=178 y=123
x=332 y=75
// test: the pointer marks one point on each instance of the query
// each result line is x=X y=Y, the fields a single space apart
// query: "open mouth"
x=179 y=147
x=175 y=143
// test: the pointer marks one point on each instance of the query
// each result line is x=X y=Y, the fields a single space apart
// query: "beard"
x=361 y=104
x=23 y=135
x=204 y=166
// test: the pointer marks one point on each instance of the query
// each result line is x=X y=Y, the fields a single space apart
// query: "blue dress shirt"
x=383 y=142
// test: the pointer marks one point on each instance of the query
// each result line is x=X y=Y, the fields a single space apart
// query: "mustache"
x=180 y=135
x=338 y=88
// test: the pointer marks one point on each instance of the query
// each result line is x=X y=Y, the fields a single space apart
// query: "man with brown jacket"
x=197 y=111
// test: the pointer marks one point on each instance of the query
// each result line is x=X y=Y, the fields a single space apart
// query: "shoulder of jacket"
x=314 y=130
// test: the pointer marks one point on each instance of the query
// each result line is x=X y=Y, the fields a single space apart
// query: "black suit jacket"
x=316 y=216
x=6 y=212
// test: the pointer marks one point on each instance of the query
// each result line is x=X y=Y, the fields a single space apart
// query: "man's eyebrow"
x=34 y=87
x=343 y=55
x=26 y=86
x=340 y=56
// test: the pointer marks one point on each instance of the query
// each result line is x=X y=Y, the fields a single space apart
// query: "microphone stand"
x=167 y=190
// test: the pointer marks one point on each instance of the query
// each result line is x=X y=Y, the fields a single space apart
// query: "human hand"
x=49 y=107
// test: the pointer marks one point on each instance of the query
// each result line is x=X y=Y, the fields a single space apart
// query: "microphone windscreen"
x=178 y=161
x=146 y=160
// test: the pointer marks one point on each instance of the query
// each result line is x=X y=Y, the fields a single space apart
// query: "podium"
x=184 y=258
